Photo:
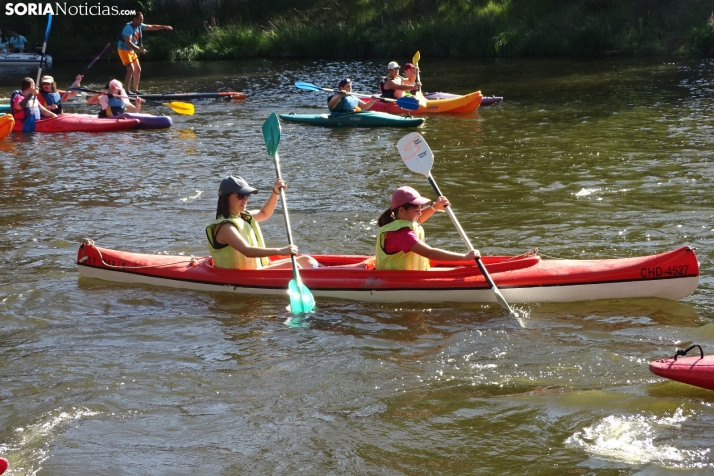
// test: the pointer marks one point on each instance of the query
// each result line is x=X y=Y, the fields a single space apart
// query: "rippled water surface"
x=583 y=159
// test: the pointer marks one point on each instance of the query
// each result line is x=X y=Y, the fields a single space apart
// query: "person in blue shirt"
x=344 y=101
x=17 y=42
x=131 y=45
x=3 y=43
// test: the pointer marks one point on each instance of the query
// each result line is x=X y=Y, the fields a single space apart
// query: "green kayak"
x=354 y=119
x=4 y=109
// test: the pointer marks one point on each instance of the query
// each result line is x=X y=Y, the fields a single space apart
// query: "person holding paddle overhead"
x=393 y=85
x=24 y=102
x=344 y=101
x=400 y=238
x=131 y=43
x=234 y=237
x=114 y=101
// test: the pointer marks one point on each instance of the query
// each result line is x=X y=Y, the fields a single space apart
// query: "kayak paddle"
x=408 y=102
x=301 y=299
x=418 y=157
x=415 y=62
x=29 y=124
x=178 y=107
x=85 y=71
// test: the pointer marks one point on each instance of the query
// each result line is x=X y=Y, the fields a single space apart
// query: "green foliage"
x=230 y=29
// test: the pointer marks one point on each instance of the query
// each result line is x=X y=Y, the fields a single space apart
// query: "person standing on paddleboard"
x=114 y=101
x=393 y=85
x=131 y=45
x=234 y=237
x=344 y=101
x=400 y=238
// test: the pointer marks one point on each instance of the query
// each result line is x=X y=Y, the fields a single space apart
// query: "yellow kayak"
x=459 y=104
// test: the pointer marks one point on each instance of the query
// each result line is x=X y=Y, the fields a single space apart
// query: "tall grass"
x=395 y=28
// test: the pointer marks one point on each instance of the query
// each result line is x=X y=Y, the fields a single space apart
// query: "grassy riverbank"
x=370 y=28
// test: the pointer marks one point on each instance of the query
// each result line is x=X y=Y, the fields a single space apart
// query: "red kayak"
x=81 y=123
x=524 y=278
x=698 y=371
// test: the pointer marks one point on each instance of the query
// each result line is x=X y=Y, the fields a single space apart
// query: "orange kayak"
x=7 y=122
x=459 y=104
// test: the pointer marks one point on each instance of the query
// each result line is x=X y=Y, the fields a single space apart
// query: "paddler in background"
x=394 y=86
x=114 y=101
x=400 y=238
x=51 y=98
x=411 y=71
x=131 y=43
x=344 y=101
x=234 y=237
x=24 y=102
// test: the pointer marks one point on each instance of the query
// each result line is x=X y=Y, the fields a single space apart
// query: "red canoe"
x=698 y=371
x=80 y=123
x=525 y=278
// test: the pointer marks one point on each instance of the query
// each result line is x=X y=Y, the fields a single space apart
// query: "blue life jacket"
x=53 y=98
x=27 y=111
x=116 y=106
x=346 y=104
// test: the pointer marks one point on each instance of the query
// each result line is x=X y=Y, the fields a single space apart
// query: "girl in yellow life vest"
x=400 y=239
x=234 y=237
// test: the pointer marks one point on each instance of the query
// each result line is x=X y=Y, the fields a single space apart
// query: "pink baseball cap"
x=404 y=195
x=115 y=83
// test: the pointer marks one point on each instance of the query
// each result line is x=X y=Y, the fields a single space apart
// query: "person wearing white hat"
x=50 y=97
x=393 y=86
x=115 y=101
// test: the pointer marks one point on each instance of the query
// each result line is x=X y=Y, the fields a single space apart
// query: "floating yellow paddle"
x=178 y=107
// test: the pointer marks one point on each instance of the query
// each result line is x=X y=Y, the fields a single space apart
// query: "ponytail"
x=385 y=218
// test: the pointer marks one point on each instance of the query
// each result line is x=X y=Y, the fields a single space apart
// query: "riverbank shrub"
x=233 y=29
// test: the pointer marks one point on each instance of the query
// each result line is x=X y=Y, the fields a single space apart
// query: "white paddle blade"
x=416 y=153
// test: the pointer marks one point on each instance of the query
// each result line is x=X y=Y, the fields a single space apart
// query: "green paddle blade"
x=301 y=299
x=271 y=134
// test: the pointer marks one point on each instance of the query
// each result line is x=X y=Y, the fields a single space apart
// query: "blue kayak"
x=353 y=119
x=4 y=109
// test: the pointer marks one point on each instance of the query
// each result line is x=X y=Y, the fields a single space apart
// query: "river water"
x=583 y=159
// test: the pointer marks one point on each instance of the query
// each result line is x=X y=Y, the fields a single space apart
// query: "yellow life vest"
x=225 y=256
x=400 y=260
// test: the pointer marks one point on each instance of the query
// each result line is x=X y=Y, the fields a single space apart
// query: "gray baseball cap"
x=233 y=184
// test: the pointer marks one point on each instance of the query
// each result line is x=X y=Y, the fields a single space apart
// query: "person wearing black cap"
x=234 y=237
x=344 y=101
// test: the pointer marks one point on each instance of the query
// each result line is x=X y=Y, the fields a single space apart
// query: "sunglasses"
x=241 y=196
